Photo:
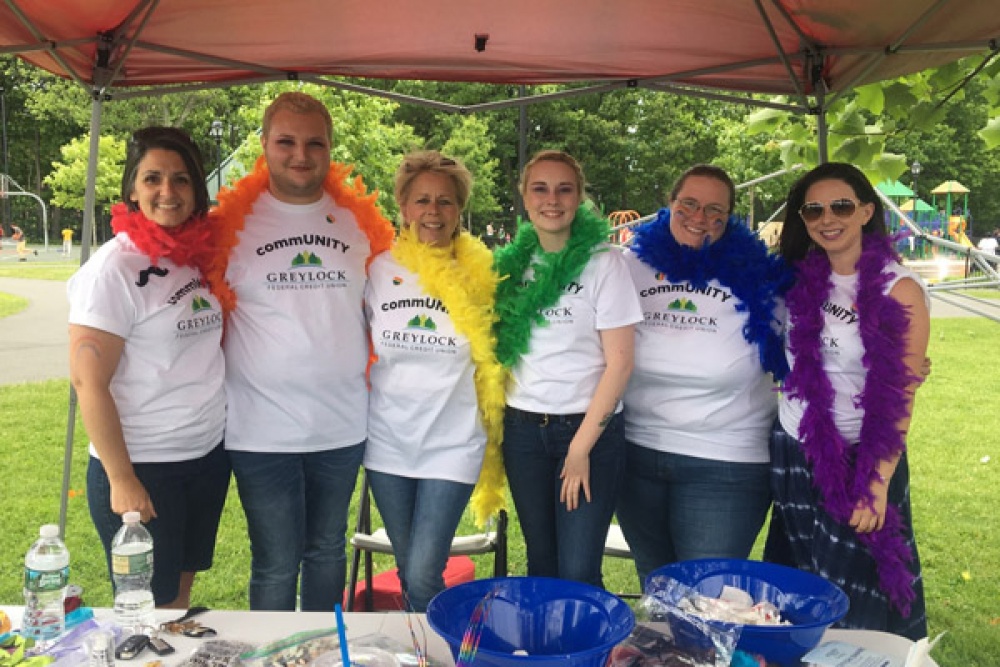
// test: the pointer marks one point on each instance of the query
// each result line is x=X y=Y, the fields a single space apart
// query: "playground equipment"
x=957 y=216
x=622 y=223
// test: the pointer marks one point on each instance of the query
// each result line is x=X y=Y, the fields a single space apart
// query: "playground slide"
x=956 y=230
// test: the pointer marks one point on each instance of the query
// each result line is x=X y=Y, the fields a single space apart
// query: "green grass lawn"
x=954 y=456
x=11 y=305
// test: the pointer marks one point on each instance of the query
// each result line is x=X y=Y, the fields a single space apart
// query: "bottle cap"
x=49 y=530
x=131 y=517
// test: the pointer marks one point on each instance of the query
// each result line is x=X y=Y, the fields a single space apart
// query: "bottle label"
x=45 y=581
x=140 y=563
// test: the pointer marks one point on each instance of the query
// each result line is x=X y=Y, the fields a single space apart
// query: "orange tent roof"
x=773 y=46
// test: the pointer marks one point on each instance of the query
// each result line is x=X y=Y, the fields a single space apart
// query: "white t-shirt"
x=423 y=416
x=296 y=345
x=565 y=359
x=988 y=244
x=168 y=386
x=842 y=355
x=698 y=388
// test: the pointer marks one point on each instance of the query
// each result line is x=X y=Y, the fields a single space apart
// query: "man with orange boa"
x=296 y=239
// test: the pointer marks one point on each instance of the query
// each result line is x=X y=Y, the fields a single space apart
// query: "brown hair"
x=168 y=139
x=708 y=171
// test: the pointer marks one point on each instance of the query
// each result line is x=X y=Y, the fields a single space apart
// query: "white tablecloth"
x=261 y=627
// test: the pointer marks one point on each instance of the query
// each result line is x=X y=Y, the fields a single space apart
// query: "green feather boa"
x=519 y=304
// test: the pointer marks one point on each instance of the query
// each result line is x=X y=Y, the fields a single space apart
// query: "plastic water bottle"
x=46 y=575
x=132 y=567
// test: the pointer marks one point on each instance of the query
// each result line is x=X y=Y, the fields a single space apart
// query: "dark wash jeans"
x=296 y=507
x=559 y=543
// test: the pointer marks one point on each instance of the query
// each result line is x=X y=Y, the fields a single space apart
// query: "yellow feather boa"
x=462 y=277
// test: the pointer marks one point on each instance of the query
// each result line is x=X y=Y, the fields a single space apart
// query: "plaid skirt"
x=803 y=535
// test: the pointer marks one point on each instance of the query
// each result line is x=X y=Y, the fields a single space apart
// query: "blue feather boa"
x=740 y=262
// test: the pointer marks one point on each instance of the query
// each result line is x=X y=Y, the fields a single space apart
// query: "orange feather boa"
x=235 y=204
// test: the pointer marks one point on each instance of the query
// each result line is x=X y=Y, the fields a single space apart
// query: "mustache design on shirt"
x=144 y=275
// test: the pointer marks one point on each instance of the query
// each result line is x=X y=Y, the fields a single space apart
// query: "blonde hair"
x=554 y=156
x=297 y=102
x=420 y=162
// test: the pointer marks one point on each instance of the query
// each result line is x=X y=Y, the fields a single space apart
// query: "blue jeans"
x=675 y=507
x=296 y=507
x=421 y=517
x=559 y=543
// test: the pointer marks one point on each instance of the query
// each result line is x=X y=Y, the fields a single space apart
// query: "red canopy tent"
x=770 y=46
x=811 y=50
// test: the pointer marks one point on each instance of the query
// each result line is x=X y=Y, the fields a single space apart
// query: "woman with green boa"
x=567 y=311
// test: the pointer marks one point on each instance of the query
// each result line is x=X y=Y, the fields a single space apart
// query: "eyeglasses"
x=691 y=207
x=812 y=211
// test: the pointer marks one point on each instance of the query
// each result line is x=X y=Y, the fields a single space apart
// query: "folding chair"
x=615 y=546
x=365 y=543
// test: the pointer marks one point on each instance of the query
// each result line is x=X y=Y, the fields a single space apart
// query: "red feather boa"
x=189 y=244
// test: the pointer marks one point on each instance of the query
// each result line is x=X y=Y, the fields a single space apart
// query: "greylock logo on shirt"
x=682 y=312
x=561 y=312
x=203 y=317
x=305 y=269
x=420 y=333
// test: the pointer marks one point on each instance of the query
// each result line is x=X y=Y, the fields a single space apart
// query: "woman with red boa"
x=856 y=339
x=146 y=363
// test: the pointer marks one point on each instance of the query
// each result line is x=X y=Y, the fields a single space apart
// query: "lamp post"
x=915 y=172
x=216 y=133
x=3 y=186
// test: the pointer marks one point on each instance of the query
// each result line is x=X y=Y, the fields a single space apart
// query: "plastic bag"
x=217 y=653
x=294 y=651
x=677 y=634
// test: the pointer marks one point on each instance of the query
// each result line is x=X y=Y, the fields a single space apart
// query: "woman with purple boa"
x=857 y=334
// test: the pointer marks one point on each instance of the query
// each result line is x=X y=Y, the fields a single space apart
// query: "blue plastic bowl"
x=811 y=603
x=559 y=623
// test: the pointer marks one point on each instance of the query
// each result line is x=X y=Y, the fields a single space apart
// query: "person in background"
x=437 y=391
x=989 y=244
x=567 y=312
x=701 y=401
x=17 y=236
x=858 y=325
x=146 y=363
x=67 y=237
x=295 y=243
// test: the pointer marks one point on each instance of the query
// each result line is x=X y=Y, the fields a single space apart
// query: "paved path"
x=34 y=343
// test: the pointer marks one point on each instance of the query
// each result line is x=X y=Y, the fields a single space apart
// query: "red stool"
x=387 y=594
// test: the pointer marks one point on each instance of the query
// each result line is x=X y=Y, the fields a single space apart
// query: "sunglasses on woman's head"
x=443 y=162
x=812 y=211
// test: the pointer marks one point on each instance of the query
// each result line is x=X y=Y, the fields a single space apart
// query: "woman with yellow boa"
x=436 y=409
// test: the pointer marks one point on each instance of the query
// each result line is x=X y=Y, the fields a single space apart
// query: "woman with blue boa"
x=701 y=401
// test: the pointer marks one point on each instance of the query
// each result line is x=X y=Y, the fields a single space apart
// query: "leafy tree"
x=68 y=177
x=471 y=142
x=364 y=135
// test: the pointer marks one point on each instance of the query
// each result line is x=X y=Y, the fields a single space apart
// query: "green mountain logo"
x=200 y=303
x=682 y=304
x=306 y=258
x=422 y=322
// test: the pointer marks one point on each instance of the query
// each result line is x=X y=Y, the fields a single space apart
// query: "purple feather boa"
x=843 y=473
